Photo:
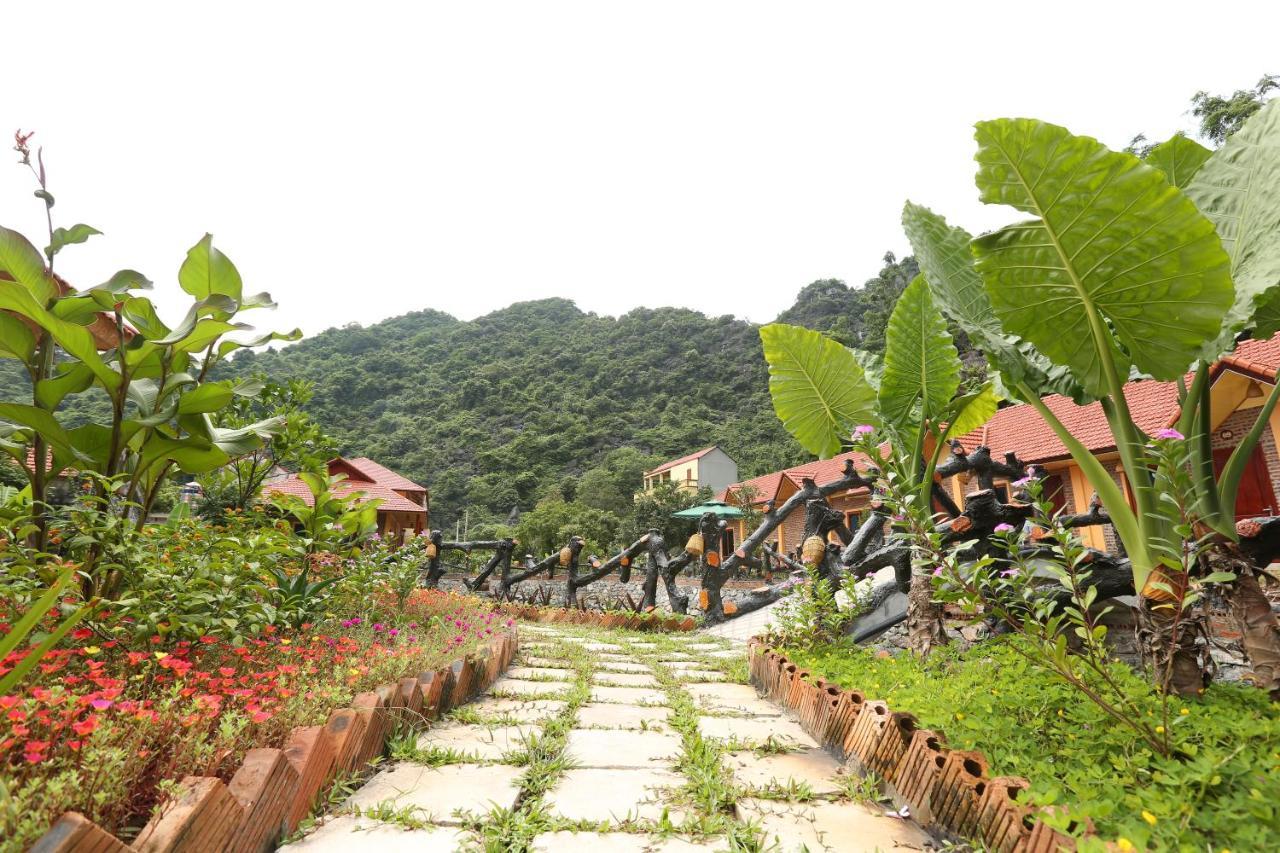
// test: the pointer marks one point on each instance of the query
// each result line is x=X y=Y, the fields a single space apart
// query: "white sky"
x=361 y=160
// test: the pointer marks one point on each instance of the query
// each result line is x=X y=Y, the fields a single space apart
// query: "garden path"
x=612 y=741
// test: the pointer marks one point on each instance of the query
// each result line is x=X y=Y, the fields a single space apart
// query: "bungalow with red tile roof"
x=404 y=510
x=1240 y=383
x=710 y=467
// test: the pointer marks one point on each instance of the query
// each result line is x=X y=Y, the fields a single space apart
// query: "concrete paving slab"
x=624 y=679
x=738 y=699
x=644 y=645
x=727 y=654
x=552 y=663
x=478 y=741
x=699 y=676
x=754 y=731
x=531 y=689
x=602 y=647
x=348 y=834
x=618 y=842
x=830 y=826
x=628 y=695
x=540 y=673
x=612 y=748
x=609 y=716
x=615 y=795
x=705 y=647
x=437 y=792
x=530 y=711
x=812 y=767
x=622 y=666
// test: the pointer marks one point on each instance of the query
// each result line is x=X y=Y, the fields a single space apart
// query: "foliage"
x=611 y=486
x=1150 y=298
x=331 y=521
x=550 y=524
x=816 y=611
x=1222 y=116
x=297 y=445
x=654 y=509
x=1222 y=794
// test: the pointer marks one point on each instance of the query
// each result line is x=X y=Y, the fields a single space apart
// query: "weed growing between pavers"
x=344 y=784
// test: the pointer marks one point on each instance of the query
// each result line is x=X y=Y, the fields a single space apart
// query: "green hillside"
x=498 y=412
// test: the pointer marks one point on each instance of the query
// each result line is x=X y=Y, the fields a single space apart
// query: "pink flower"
x=937 y=573
x=101 y=704
x=863 y=429
x=1008 y=573
x=1170 y=433
x=1003 y=528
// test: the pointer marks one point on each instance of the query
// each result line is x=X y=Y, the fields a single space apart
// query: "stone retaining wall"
x=948 y=791
x=275 y=789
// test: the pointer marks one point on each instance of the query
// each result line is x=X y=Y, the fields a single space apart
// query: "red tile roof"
x=674 y=462
x=1153 y=405
x=376 y=487
x=1020 y=427
x=385 y=476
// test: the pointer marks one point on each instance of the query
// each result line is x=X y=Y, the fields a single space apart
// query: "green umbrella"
x=720 y=508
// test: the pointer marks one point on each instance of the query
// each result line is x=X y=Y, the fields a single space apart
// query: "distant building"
x=711 y=468
x=405 y=507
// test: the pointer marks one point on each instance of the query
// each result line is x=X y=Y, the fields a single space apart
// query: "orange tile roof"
x=385 y=476
x=380 y=487
x=674 y=462
x=1020 y=427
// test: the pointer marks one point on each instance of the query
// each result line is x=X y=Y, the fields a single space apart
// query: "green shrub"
x=1223 y=792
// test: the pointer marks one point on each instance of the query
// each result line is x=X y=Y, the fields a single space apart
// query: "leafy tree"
x=549 y=525
x=612 y=485
x=656 y=507
x=1220 y=116
x=298 y=445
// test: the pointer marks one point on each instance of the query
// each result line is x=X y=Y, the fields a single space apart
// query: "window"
x=851 y=521
x=688 y=473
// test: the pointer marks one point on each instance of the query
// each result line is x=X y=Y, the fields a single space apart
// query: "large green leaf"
x=75 y=340
x=945 y=258
x=818 y=388
x=22 y=262
x=38 y=420
x=206 y=271
x=1116 y=258
x=1179 y=158
x=971 y=411
x=66 y=236
x=1239 y=190
x=921 y=365
x=16 y=339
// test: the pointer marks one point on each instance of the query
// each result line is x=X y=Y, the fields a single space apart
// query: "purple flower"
x=937 y=573
x=1025 y=481
x=1003 y=528
x=863 y=429
x=1170 y=433
x=1008 y=573
x=377 y=626
x=393 y=632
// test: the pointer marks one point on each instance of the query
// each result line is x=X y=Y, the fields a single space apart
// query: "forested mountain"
x=499 y=412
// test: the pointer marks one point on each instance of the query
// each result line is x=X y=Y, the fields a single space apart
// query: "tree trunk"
x=1169 y=642
x=1259 y=631
x=925 y=628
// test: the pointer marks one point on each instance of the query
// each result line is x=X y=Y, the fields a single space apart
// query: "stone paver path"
x=611 y=741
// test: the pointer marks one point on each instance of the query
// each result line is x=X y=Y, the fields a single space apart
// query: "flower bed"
x=108 y=731
x=656 y=622
x=1003 y=716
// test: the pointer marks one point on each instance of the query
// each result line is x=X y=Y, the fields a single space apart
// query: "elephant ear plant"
x=1124 y=270
x=823 y=394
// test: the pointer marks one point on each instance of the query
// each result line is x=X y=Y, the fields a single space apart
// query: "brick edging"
x=631 y=621
x=275 y=789
x=947 y=790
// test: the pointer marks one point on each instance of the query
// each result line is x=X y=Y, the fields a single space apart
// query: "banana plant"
x=1125 y=269
x=156 y=376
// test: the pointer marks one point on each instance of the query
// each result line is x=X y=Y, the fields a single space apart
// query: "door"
x=1255 y=497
